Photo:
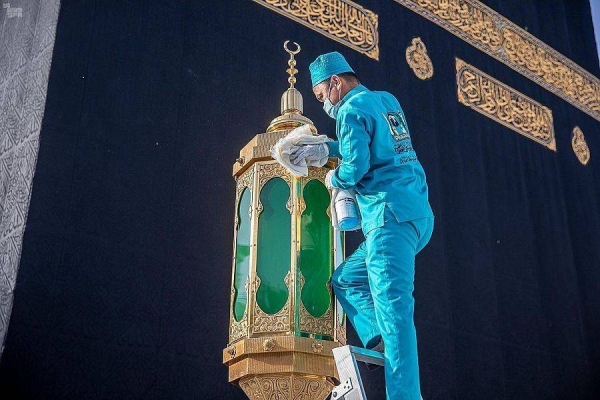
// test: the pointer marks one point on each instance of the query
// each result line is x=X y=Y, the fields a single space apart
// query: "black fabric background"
x=123 y=288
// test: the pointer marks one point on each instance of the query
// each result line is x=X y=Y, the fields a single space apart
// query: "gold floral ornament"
x=418 y=59
x=344 y=21
x=580 y=147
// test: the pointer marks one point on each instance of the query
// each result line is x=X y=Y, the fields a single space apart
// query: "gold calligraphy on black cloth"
x=580 y=147
x=341 y=20
x=418 y=59
x=495 y=35
x=504 y=104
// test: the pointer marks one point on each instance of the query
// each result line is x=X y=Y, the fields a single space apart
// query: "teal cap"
x=327 y=65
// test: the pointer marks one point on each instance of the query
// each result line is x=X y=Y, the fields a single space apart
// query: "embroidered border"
x=505 y=105
x=495 y=35
x=341 y=20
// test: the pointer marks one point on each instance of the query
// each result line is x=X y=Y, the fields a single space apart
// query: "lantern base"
x=286 y=386
x=282 y=367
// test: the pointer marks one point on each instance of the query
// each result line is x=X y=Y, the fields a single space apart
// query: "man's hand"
x=310 y=153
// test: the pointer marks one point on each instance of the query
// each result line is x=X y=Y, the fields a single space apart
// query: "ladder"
x=346 y=359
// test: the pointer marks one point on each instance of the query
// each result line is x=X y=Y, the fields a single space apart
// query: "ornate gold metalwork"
x=267 y=172
x=285 y=387
x=308 y=323
x=269 y=344
x=418 y=59
x=317 y=347
x=495 y=35
x=278 y=322
x=344 y=21
x=580 y=147
x=238 y=329
x=272 y=170
x=264 y=345
x=231 y=351
x=504 y=104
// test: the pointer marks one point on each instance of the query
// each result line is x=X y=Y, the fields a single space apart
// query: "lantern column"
x=284 y=321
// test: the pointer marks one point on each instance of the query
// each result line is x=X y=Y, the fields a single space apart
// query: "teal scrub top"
x=377 y=158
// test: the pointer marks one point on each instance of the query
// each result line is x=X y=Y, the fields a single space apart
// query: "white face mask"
x=330 y=109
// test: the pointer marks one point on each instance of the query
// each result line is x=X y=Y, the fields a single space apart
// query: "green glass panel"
x=316 y=258
x=242 y=256
x=274 y=246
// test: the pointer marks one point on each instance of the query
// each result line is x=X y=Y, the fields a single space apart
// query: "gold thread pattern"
x=418 y=59
x=580 y=147
x=505 y=105
x=344 y=21
x=497 y=36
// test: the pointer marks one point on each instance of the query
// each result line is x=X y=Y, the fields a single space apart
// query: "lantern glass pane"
x=274 y=246
x=242 y=256
x=316 y=257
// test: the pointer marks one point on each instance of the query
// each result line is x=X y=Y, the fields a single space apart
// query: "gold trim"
x=505 y=105
x=418 y=59
x=344 y=21
x=283 y=362
x=283 y=343
x=580 y=147
x=498 y=37
x=238 y=329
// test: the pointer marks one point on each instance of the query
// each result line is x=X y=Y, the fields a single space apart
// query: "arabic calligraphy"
x=495 y=35
x=505 y=105
x=580 y=147
x=418 y=59
x=341 y=20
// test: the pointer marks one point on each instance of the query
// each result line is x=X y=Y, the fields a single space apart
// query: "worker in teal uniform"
x=375 y=284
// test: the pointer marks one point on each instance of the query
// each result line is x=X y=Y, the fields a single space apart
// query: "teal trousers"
x=375 y=286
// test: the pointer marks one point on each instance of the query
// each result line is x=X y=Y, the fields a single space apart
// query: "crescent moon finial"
x=294 y=52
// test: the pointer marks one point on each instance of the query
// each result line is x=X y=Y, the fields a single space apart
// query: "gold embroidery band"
x=495 y=35
x=505 y=105
x=341 y=20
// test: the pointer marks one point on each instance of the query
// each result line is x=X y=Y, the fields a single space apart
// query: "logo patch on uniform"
x=402 y=143
x=398 y=126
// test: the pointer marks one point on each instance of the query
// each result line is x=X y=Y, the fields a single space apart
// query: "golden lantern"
x=284 y=321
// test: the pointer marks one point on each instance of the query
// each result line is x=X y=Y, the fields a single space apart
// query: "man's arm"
x=334 y=149
x=354 y=149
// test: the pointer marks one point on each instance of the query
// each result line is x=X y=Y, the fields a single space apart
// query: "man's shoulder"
x=369 y=100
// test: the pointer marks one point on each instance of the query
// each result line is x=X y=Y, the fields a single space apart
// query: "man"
x=375 y=283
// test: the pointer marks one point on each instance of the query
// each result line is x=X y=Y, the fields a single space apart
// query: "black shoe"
x=379 y=347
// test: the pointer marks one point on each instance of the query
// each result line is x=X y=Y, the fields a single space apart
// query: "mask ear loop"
x=331 y=87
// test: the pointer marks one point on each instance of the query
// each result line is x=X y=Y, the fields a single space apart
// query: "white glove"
x=328 y=177
x=310 y=153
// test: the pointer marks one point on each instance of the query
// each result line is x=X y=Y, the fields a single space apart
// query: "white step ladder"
x=346 y=359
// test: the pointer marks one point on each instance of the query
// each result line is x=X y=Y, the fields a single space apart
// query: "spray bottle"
x=347 y=211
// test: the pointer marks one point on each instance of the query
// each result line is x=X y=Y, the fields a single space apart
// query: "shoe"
x=379 y=347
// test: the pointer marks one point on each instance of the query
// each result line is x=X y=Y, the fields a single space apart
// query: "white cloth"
x=284 y=147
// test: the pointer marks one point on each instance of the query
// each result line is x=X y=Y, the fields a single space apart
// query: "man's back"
x=394 y=176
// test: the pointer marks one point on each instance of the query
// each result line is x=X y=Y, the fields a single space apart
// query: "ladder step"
x=346 y=358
